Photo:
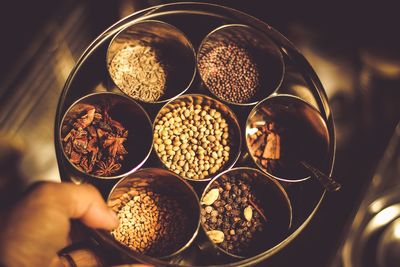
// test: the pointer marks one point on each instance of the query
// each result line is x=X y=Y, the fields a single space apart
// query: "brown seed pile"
x=137 y=71
x=230 y=73
x=230 y=213
x=150 y=223
x=192 y=140
x=94 y=142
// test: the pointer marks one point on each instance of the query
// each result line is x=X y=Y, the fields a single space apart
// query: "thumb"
x=82 y=202
x=85 y=203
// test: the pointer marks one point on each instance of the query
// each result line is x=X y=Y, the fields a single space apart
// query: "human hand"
x=38 y=227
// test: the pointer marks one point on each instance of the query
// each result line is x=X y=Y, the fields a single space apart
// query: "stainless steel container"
x=197 y=20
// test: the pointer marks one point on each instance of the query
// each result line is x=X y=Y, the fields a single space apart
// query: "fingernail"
x=114 y=217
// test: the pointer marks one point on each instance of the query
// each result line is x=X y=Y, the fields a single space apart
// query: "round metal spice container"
x=281 y=132
x=151 y=61
x=240 y=64
x=100 y=141
x=197 y=137
x=196 y=22
x=158 y=212
x=244 y=212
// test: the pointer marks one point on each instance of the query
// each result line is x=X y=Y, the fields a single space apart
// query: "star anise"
x=94 y=143
x=107 y=168
x=86 y=165
x=115 y=145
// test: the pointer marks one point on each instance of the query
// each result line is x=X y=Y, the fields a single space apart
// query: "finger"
x=88 y=205
x=82 y=202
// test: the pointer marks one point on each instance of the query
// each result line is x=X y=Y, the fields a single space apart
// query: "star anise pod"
x=115 y=145
x=86 y=165
x=100 y=133
x=107 y=168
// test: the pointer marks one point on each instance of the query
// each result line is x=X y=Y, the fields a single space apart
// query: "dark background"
x=353 y=46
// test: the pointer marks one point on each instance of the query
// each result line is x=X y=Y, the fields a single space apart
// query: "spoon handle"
x=324 y=179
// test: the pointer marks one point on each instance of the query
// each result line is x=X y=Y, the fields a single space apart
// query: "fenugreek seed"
x=186 y=167
x=211 y=138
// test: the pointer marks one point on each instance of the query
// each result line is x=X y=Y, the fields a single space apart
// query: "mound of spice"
x=230 y=213
x=94 y=142
x=230 y=73
x=150 y=223
x=138 y=72
x=192 y=140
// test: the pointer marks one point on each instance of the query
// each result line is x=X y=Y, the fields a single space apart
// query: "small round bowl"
x=273 y=202
x=235 y=138
x=262 y=50
x=123 y=110
x=173 y=50
x=166 y=183
x=281 y=132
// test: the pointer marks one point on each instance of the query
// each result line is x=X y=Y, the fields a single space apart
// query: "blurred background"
x=354 y=47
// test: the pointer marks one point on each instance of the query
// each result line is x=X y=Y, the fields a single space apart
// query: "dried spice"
x=210 y=197
x=230 y=72
x=150 y=223
x=235 y=213
x=138 y=72
x=216 y=236
x=264 y=142
x=248 y=213
x=94 y=142
x=192 y=140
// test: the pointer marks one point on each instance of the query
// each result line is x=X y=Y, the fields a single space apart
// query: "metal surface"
x=371 y=236
x=326 y=181
x=389 y=246
x=196 y=21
